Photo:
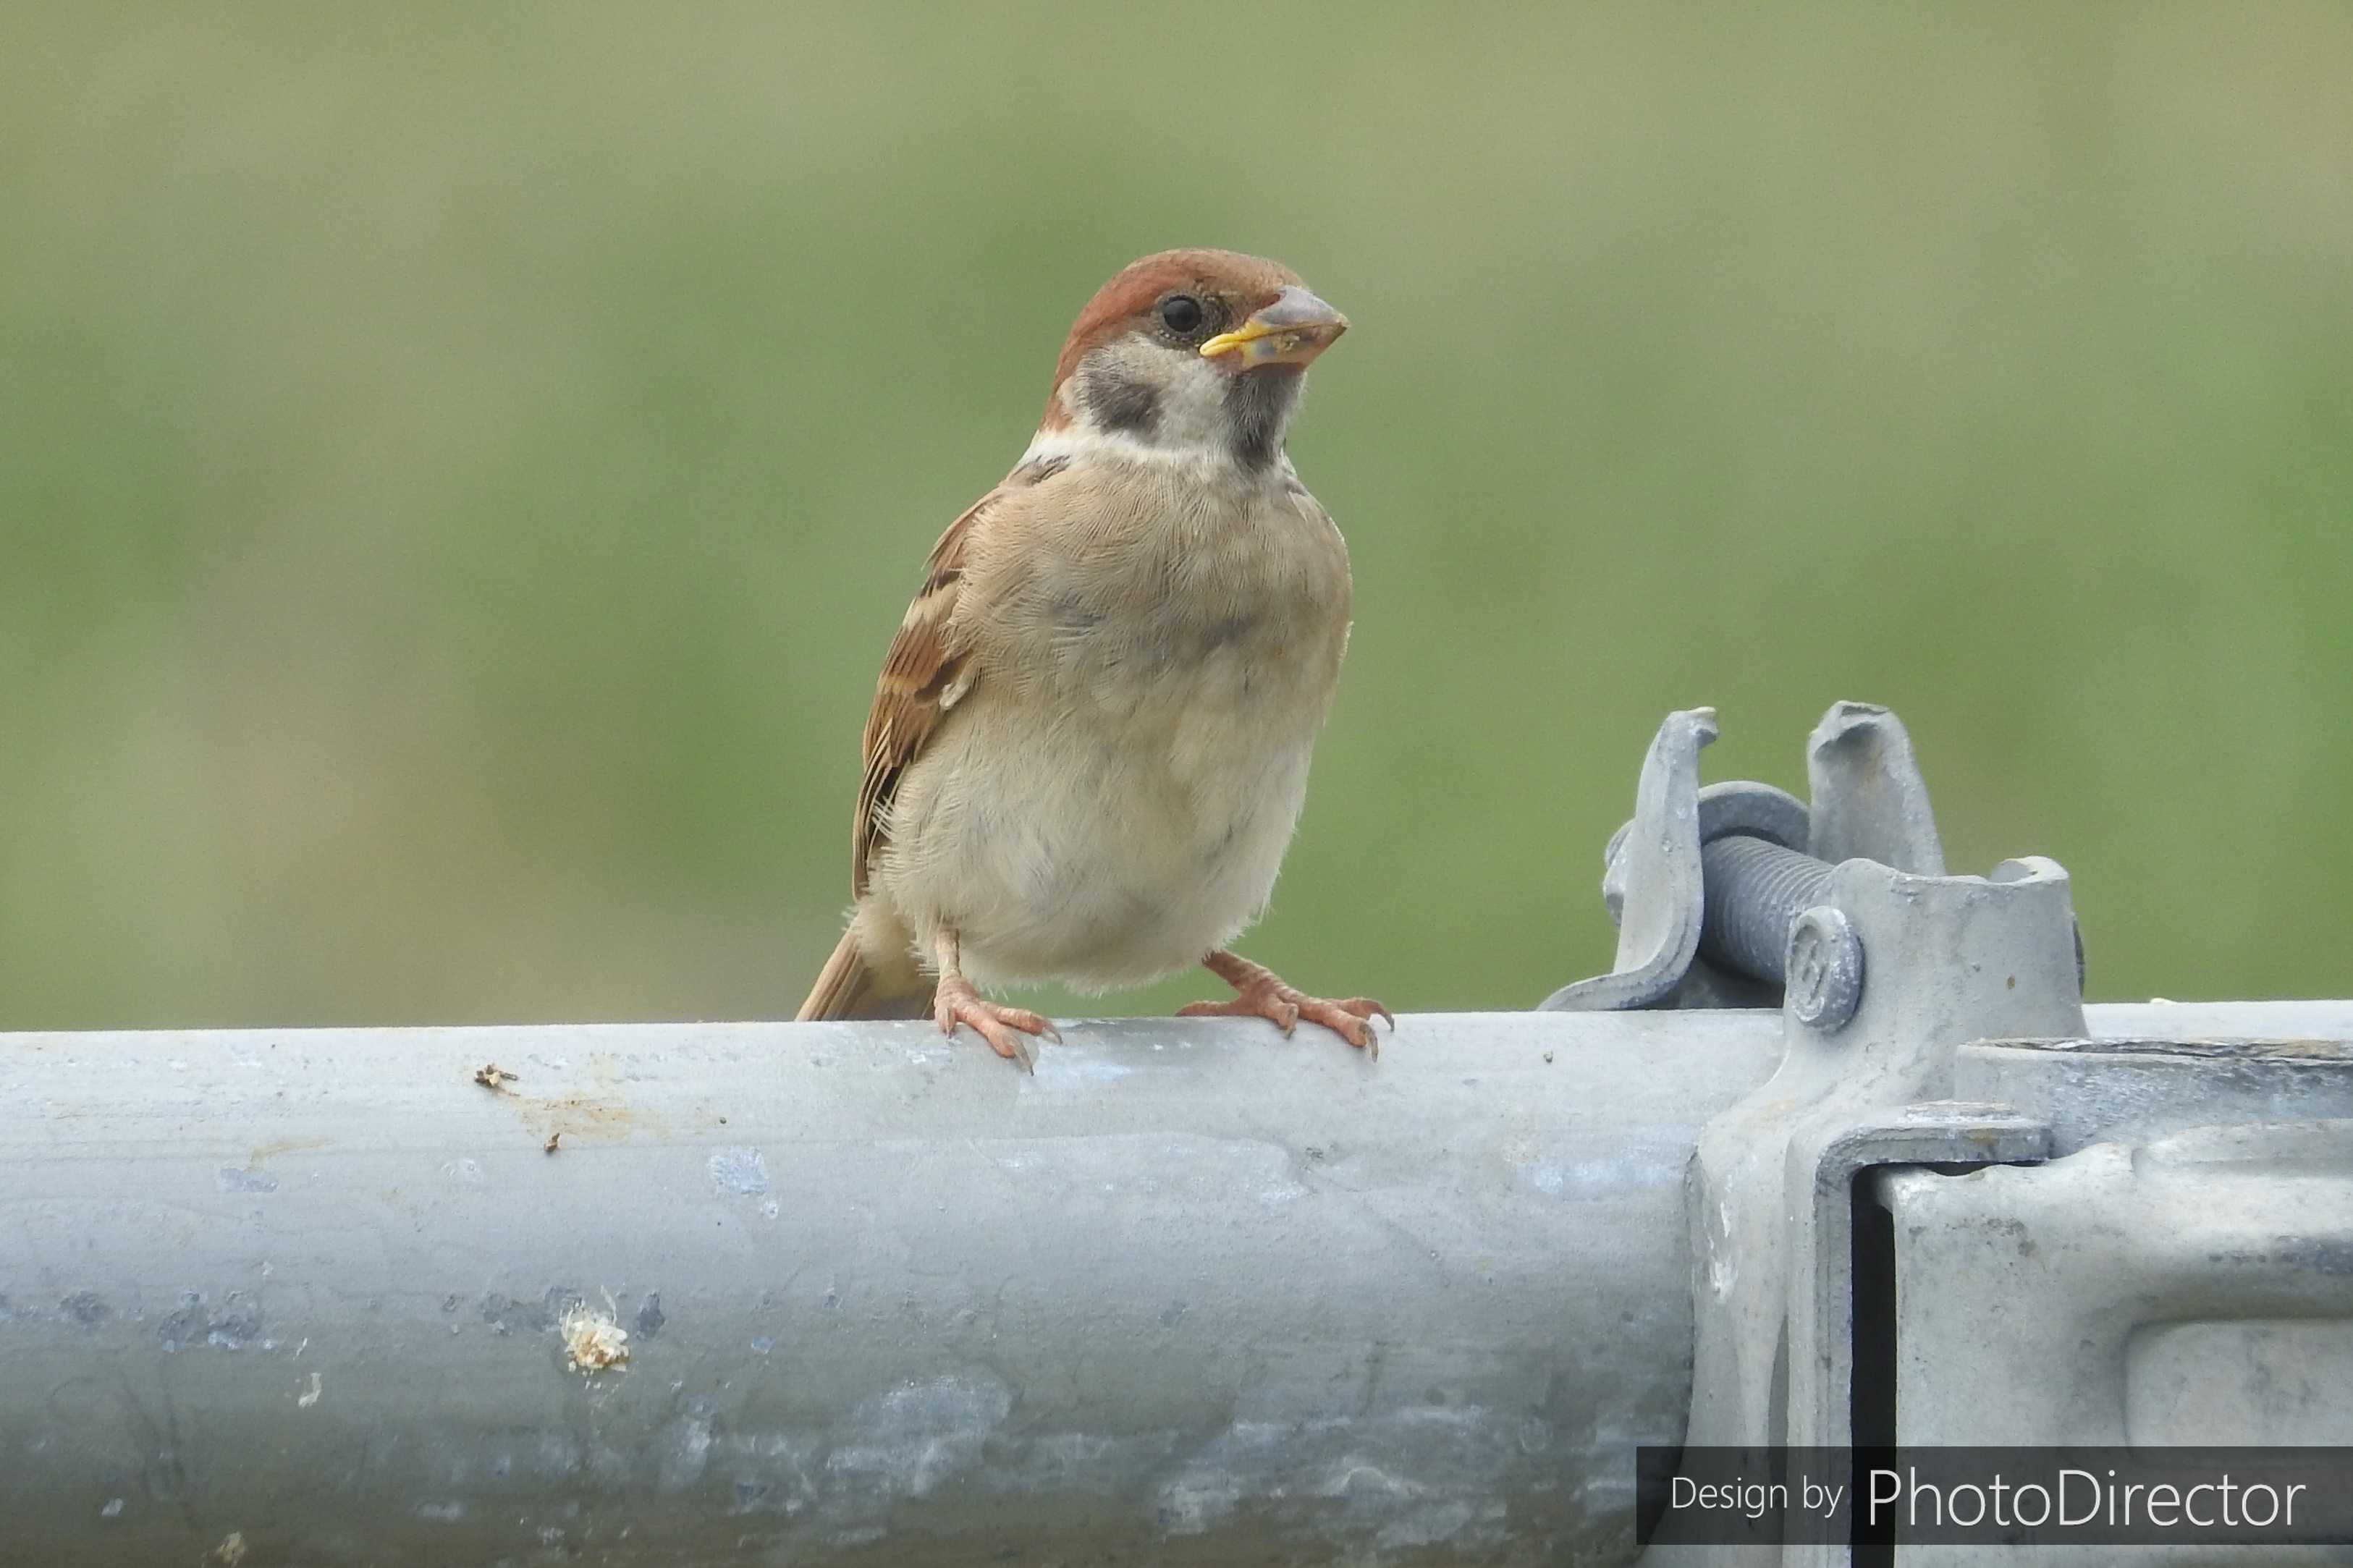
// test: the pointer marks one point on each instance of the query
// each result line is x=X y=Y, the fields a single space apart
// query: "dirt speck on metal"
x=593 y=1341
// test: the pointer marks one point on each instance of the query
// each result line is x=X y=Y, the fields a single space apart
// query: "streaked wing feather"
x=926 y=672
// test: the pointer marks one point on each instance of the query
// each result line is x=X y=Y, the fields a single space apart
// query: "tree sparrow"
x=1088 y=746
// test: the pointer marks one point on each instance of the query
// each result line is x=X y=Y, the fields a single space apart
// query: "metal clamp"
x=1841 y=911
x=1719 y=891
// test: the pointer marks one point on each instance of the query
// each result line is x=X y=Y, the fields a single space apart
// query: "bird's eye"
x=1181 y=313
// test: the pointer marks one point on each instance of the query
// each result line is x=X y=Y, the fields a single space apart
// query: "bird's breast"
x=1167 y=597
x=1116 y=794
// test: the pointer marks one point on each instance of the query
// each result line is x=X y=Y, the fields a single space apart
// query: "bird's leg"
x=1262 y=996
x=955 y=1002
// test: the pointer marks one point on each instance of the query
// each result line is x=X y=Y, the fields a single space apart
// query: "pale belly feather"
x=1122 y=808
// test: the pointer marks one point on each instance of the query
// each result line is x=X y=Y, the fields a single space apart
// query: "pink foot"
x=955 y=1002
x=1262 y=996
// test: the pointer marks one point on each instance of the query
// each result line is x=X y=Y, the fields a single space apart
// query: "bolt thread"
x=1755 y=891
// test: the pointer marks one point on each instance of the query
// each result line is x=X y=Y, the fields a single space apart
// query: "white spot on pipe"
x=684 y=1450
x=739 y=1170
x=593 y=1341
x=904 y=1443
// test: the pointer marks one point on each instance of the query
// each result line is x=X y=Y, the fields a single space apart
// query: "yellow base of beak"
x=1293 y=330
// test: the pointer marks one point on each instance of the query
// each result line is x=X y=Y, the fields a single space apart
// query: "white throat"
x=1132 y=401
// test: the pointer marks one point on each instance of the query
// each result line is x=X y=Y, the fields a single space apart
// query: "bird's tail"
x=872 y=974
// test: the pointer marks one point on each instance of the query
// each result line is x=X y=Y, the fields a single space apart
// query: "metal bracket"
x=1868 y=802
x=2139 y=1297
x=2153 y=1282
x=1867 y=1075
x=2166 y=1252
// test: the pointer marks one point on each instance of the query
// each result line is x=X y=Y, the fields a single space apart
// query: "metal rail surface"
x=851 y=1293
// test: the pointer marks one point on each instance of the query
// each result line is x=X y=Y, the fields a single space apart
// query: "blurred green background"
x=460 y=467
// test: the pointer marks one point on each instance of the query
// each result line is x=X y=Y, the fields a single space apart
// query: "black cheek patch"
x=1114 y=403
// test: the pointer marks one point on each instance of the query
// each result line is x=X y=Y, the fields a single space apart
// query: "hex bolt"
x=1756 y=890
x=1825 y=969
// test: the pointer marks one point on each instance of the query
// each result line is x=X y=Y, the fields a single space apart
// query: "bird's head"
x=1190 y=354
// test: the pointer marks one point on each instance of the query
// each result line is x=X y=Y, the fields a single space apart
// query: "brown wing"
x=925 y=673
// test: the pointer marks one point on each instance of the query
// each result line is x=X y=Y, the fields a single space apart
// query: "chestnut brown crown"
x=1228 y=285
x=1192 y=351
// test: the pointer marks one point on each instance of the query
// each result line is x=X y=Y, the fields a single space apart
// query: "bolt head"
x=1823 y=969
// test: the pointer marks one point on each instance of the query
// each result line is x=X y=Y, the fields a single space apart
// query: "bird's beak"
x=1293 y=330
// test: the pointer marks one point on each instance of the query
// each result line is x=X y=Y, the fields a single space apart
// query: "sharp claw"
x=1283 y=1007
x=1008 y=1045
x=1350 y=1028
x=1003 y=1029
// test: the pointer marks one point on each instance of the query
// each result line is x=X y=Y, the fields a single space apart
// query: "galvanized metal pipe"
x=1194 y=1293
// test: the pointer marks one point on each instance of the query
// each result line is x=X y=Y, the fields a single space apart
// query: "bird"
x=1088 y=746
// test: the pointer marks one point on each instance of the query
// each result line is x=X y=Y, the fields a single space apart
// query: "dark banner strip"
x=1997 y=1497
